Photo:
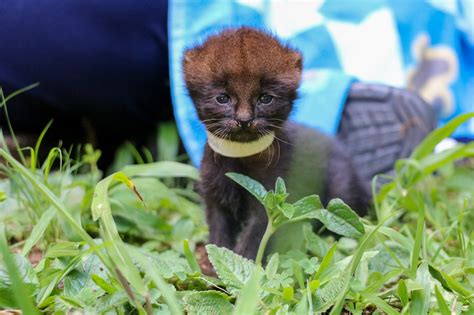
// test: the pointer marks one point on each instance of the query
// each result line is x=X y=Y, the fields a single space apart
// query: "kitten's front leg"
x=252 y=232
x=223 y=228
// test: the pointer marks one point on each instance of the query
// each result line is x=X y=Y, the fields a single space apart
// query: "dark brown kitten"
x=243 y=83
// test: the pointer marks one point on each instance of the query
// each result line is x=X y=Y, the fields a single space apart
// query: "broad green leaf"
x=328 y=293
x=287 y=210
x=3 y=196
x=341 y=219
x=169 y=263
x=162 y=170
x=306 y=205
x=251 y=185
x=232 y=269
x=435 y=137
x=247 y=301
x=207 y=302
x=38 y=230
x=166 y=289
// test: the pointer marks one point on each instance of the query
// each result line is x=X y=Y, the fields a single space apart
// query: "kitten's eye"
x=223 y=99
x=265 y=99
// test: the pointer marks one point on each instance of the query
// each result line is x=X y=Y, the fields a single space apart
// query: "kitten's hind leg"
x=344 y=182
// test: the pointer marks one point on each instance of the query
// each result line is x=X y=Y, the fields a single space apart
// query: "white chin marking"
x=236 y=149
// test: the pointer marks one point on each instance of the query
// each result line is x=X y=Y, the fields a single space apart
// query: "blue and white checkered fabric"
x=424 y=46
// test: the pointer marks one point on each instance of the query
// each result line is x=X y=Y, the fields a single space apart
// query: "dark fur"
x=245 y=63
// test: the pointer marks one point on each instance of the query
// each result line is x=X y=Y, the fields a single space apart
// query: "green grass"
x=124 y=243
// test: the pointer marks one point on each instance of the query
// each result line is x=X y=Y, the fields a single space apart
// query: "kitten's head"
x=243 y=83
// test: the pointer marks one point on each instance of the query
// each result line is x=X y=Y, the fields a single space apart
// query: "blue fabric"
x=372 y=41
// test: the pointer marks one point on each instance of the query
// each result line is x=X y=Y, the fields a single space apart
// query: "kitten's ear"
x=188 y=55
x=297 y=59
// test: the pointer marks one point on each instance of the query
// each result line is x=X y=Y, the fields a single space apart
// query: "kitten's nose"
x=245 y=122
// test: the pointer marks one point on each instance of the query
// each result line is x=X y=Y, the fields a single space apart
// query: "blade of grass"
x=48 y=194
x=249 y=295
x=429 y=143
x=102 y=211
x=420 y=226
x=377 y=301
x=3 y=103
x=442 y=305
x=34 y=155
x=337 y=309
x=20 y=293
x=161 y=284
x=38 y=230
x=190 y=257
x=168 y=142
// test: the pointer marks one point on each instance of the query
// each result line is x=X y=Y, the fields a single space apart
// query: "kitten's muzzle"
x=244 y=123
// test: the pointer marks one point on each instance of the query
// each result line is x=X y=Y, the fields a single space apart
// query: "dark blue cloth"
x=102 y=58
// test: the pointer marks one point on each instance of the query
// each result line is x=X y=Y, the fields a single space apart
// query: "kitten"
x=243 y=83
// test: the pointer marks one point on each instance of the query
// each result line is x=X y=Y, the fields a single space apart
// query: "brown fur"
x=245 y=64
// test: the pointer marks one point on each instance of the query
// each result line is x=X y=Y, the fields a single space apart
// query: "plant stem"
x=263 y=243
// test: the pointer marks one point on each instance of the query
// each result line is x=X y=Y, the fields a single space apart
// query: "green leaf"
x=104 y=285
x=232 y=269
x=251 y=185
x=448 y=282
x=381 y=304
x=403 y=292
x=326 y=262
x=420 y=298
x=3 y=196
x=166 y=289
x=272 y=266
x=38 y=230
x=168 y=141
x=341 y=219
x=193 y=264
x=287 y=210
x=249 y=296
x=288 y=294
x=435 y=137
x=116 y=249
x=307 y=205
x=162 y=170
x=442 y=305
x=280 y=188
x=207 y=302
